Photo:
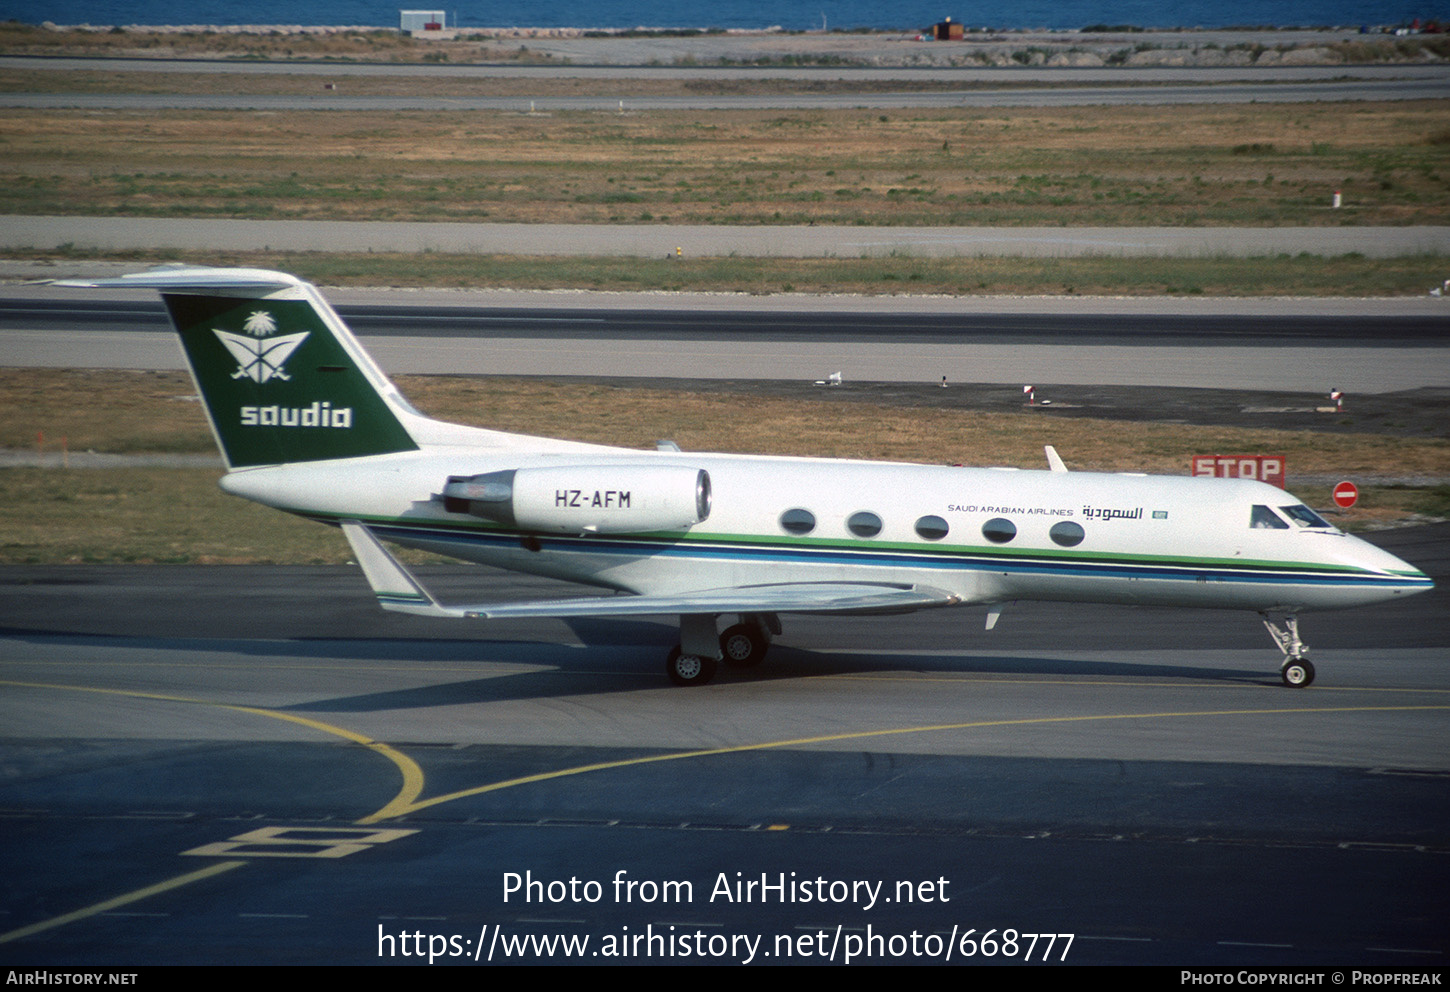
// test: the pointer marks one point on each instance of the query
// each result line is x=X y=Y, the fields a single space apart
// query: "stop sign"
x=1345 y=495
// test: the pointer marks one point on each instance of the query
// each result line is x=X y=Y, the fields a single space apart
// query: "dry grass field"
x=897 y=275
x=178 y=514
x=127 y=412
x=1262 y=165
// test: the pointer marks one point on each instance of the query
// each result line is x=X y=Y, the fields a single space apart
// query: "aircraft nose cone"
x=1393 y=575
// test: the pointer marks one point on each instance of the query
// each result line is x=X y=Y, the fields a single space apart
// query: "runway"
x=209 y=765
x=1356 y=346
x=973 y=86
x=1077 y=96
x=597 y=67
x=192 y=235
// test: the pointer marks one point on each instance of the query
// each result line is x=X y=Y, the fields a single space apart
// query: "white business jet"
x=308 y=424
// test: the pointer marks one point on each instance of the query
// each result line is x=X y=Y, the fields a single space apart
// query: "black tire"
x=688 y=669
x=742 y=646
x=1297 y=673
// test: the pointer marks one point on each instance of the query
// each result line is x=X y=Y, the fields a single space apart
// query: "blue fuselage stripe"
x=705 y=549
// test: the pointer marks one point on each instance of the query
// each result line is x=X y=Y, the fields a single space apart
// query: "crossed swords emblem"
x=260 y=357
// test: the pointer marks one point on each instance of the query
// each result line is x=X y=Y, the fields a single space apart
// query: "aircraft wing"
x=398 y=590
x=785 y=597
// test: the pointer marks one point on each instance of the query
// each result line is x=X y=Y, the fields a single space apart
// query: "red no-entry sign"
x=1345 y=495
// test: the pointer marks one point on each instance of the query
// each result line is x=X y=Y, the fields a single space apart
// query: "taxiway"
x=224 y=764
x=1305 y=347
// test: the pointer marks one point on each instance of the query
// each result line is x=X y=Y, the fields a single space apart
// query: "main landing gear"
x=1297 y=671
x=696 y=658
x=744 y=645
x=689 y=669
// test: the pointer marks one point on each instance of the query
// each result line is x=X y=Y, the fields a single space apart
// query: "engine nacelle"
x=585 y=499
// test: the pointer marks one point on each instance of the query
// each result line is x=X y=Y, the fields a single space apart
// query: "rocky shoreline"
x=1124 y=47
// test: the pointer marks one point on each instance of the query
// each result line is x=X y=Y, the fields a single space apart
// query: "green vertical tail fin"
x=282 y=378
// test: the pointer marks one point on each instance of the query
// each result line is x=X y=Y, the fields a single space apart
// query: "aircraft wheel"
x=743 y=646
x=1297 y=673
x=688 y=669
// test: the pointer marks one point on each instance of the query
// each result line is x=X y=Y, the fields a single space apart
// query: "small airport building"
x=948 y=30
x=417 y=21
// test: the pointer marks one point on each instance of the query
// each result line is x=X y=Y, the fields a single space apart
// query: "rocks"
x=1313 y=55
x=1064 y=49
x=1077 y=60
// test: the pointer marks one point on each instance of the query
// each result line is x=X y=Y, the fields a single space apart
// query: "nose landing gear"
x=1297 y=671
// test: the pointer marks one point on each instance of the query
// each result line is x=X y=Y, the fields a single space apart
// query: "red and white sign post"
x=1346 y=494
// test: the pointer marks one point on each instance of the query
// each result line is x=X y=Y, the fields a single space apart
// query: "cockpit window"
x=1303 y=516
x=1264 y=518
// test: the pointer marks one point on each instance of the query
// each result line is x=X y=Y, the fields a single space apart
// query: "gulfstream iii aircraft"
x=308 y=424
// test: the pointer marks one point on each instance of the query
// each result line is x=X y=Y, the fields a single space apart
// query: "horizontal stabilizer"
x=398 y=590
x=190 y=278
x=393 y=584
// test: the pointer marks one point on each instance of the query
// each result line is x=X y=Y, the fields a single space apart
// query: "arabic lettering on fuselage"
x=1103 y=513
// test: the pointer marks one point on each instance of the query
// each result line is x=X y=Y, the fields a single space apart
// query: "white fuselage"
x=1119 y=539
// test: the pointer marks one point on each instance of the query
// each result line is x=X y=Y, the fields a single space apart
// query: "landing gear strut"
x=1297 y=671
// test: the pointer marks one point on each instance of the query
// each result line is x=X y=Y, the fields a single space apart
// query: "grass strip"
x=129 y=412
x=1351 y=275
x=179 y=515
x=1191 y=166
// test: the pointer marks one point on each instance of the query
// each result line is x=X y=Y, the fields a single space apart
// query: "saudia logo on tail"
x=263 y=358
x=260 y=357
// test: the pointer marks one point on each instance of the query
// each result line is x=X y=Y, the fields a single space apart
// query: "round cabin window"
x=932 y=528
x=999 y=530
